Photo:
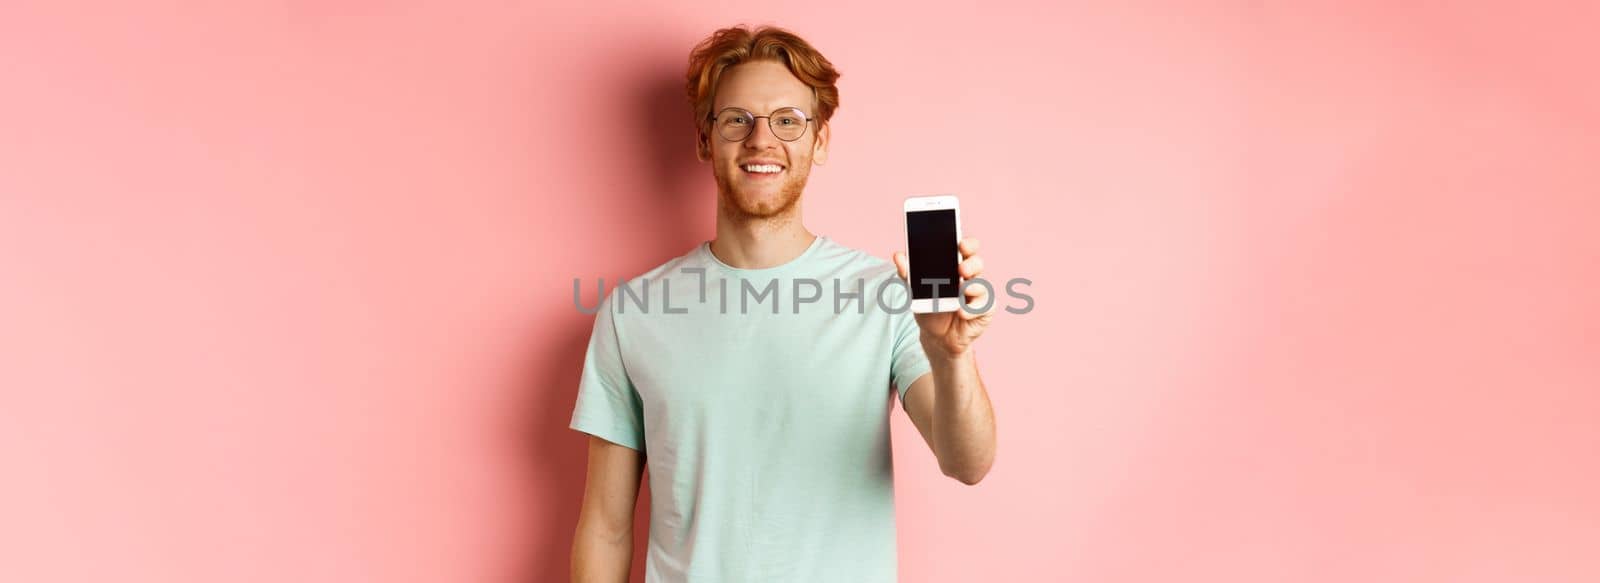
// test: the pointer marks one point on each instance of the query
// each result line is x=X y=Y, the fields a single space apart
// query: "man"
x=766 y=430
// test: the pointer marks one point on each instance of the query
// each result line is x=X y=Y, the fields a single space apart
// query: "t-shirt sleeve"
x=608 y=404
x=909 y=362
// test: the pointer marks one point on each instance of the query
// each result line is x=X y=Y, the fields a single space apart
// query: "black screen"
x=933 y=252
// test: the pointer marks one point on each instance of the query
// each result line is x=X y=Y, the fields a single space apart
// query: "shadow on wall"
x=680 y=193
x=664 y=213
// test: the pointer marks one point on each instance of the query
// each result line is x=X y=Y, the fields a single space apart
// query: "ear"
x=819 y=151
x=702 y=147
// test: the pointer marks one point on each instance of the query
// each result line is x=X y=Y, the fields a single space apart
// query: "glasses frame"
x=712 y=118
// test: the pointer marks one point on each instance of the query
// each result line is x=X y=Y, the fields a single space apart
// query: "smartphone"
x=933 y=229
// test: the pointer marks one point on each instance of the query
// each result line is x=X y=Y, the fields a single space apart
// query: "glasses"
x=735 y=124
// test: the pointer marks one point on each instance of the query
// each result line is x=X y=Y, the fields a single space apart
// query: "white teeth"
x=763 y=168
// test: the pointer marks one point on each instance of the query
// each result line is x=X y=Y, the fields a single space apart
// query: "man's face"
x=761 y=88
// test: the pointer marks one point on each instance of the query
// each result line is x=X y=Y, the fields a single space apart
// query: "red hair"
x=737 y=45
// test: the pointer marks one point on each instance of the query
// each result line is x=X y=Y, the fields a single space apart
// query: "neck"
x=749 y=242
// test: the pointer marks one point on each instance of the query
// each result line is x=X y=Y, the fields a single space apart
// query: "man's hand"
x=951 y=334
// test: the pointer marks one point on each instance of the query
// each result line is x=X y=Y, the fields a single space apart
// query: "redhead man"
x=766 y=430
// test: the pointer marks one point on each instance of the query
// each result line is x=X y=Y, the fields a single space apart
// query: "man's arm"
x=602 y=548
x=950 y=406
x=951 y=409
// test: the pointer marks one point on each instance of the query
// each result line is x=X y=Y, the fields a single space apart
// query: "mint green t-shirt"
x=764 y=418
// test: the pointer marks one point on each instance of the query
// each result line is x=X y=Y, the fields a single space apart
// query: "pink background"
x=285 y=287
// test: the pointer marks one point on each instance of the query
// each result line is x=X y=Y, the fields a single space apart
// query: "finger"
x=972 y=267
x=900 y=265
x=969 y=247
x=972 y=311
x=978 y=297
x=975 y=290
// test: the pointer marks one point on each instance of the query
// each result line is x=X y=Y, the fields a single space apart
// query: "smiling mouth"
x=761 y=170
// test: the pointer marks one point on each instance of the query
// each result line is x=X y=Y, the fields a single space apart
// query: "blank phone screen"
x=933 y=253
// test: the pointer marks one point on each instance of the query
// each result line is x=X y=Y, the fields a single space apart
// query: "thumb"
x=902 y=265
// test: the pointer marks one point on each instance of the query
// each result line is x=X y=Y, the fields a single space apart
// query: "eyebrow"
x=751 y=110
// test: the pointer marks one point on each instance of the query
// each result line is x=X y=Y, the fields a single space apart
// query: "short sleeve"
x=608 y=404
x=909 y=361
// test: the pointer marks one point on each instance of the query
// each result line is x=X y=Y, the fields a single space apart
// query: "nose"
x=761 y=136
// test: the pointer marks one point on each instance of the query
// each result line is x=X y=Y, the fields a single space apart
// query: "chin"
x=761 y=206
x=768 y=202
